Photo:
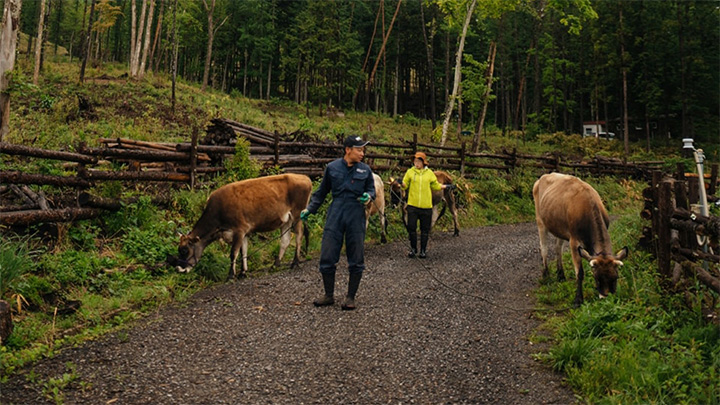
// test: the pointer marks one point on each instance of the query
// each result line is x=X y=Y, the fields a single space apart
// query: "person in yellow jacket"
x=419 y=181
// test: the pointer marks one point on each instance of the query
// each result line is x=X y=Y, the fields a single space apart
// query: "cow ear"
x=584 y=254
x=622 y=253
x=618 y=263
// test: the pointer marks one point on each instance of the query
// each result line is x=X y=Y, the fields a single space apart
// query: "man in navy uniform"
x=352 y=186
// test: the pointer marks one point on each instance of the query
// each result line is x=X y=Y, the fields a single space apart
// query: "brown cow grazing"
x=572 y=210
x=377 y=206
x=397 y=197
x=236 y=210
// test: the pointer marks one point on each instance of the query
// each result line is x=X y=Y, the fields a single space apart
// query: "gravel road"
x=260 y=340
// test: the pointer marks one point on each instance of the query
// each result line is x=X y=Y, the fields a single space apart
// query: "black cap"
x=354 y=141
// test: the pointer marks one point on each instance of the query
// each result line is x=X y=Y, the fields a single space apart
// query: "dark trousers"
x=424 y=215
x=345 y=220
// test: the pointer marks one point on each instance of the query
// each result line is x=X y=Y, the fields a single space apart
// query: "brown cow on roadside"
x=377 y=206
x=236 y=210
x=397 y=197
x=572 y=210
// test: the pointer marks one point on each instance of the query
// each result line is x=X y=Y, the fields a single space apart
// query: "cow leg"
x=284 y=241
x=244 y=269
x=542 y=233
x=435 y=216
x=558 y=254
x=297 y=228
x=234 y=250
x=579 y=272
x=383 y=225
x=453 y=211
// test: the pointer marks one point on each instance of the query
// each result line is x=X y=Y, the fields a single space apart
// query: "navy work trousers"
x=345 y=220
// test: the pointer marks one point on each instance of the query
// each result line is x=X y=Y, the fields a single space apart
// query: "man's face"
x=354 y=155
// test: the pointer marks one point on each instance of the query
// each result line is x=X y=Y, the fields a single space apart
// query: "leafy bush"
x=241 y=167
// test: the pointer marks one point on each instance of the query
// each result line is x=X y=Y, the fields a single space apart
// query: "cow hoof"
x=383 y=239
x=456 y=233
x=577 y=303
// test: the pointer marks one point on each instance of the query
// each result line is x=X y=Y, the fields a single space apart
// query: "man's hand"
x=304 y=214
x=364 y=198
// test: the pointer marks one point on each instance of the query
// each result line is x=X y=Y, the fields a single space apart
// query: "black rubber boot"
x=329 y=284
x=353 y=285
x=423 y=245
x=413 y=244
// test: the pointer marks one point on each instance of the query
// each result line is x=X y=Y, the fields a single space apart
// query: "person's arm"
x=406 y=180
x=318 y=197
x=434 y=184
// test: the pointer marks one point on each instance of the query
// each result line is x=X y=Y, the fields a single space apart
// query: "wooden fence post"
x=193 y=158
x=693 y=190
x=414 y=144
x=713 y=179
x=655 y=186
x=462 y=159
x=665 y=211
x=681 y=201
x=680 y=171
x=276 y=147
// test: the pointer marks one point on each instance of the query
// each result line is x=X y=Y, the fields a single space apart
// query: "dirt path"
x=411 y=340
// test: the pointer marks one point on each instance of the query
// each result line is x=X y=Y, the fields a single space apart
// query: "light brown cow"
x=397 y=197
x=377 y=206
x=236 y=210
x=573 y=211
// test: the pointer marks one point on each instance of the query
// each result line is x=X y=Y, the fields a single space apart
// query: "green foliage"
x=15 y=260
x=638 y=346
x=240 y=166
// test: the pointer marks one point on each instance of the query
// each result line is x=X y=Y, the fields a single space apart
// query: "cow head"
x=189 y=252
x=605 y=269
x=396 y=192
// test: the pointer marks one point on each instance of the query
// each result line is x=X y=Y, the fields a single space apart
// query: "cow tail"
x=442 y=211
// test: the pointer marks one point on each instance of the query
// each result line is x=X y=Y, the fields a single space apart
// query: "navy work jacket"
x=345 y=183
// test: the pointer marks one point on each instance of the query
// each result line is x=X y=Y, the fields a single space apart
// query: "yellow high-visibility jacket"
x=419 y=183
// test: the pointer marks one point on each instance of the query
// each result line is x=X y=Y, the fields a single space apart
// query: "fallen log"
x=143 y=144
x=21 y=218
x=11 y=149
x=134 y=176
x=140 y=154
x=15 y=177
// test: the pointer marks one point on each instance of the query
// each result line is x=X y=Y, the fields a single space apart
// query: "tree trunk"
x=8 y=42
x=382 y=48
x=458 y=70
x=86 y=50
x=158 y=31
x=135 y=55
x=175 y=54
x=381 y=8
x=38 y=48
x=211 y=33
x=626 y=131
x=269 y=78
x=481 y=120
x=431 y=68
x=148 y=34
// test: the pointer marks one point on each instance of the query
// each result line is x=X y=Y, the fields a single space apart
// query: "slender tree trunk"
x=175 y=54
x=382 y=48
x=395 y=77
x=8 y=42
x=135 y=57
x=431 y=65
x=683 y=69
x=211 y=34
x=38 y=49
x=458 y=70
x=626 y=130
x=446 y=82
x=146 y=45
x=245 y=76
x=86 y=47
x=158 y=31
x=269 y=79
x=133 y=32
x=367 y=55
x=486 y=96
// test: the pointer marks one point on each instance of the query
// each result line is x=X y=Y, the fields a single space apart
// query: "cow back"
x=569 y=207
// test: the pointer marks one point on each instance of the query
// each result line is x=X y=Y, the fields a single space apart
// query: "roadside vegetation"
x=95 y=276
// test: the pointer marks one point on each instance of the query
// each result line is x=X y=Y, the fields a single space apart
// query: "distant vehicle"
x=603 y=135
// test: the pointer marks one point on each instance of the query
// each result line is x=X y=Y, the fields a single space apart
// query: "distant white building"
x=596 y=129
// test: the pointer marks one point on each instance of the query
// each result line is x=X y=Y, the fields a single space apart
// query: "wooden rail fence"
x=183 y=163
x=674 y=232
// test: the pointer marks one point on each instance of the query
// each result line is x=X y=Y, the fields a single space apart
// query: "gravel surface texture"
x=260 y=340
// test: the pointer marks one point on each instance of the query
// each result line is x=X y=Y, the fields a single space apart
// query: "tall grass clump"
x=15 y=260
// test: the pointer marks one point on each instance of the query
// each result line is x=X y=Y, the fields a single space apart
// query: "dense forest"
x=652 y=67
